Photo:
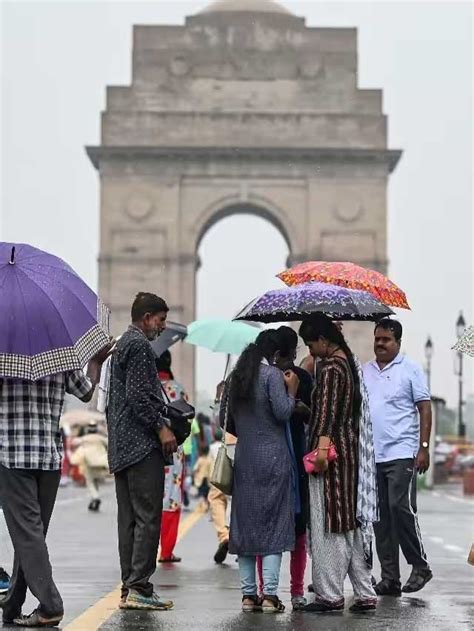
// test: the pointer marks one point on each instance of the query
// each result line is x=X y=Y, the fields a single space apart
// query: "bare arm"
x=423 y=457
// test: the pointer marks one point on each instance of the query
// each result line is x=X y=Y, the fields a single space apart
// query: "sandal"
x=417 y=580
x=272 y=604
x=251 y=603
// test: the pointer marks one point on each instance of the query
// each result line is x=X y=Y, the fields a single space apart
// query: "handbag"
x=179 y=413
x=223 y=473
x=309 y=459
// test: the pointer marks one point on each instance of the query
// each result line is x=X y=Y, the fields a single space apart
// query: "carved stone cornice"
x=138 y=259
x=390 y=157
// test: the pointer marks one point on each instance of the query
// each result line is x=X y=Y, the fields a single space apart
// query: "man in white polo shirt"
x=400 y=407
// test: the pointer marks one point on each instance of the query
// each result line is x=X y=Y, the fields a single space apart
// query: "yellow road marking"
x=103 y=609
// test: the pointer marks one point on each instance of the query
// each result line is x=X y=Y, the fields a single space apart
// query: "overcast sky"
x=58 y=57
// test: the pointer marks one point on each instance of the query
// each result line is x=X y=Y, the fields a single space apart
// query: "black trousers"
x=28 y=498
x=139 y=490
x=398 y=526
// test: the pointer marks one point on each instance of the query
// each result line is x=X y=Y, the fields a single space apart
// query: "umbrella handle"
x=12 y=257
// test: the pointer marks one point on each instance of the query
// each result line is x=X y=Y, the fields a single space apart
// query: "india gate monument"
x=243 y=109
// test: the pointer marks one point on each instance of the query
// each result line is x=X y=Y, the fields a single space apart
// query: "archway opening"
x=240 y=255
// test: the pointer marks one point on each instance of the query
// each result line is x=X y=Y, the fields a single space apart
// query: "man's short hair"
x=147 y=303
x=391 y=325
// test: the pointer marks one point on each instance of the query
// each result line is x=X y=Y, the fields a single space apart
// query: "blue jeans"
x=271 y=574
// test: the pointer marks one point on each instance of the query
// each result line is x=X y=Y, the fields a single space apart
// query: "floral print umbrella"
x=347 y=275
x=295 y=303
x=465 y=343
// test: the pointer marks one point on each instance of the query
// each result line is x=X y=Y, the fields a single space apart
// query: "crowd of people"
x=324 y=454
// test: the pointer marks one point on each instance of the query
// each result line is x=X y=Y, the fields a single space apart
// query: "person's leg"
x=29 y=498
x=218 y=507
x=260 y=574
x=385 y=534
x=16 y=595
x=126 y=527
x=360 y=574
x=402 y=489
x=298 y=566
x=247 y=575
x=165 y=534
x=330 y=560
x=47 y=492
x=146 y=485
x=169 y=532
x=271 y=564
x=91 y=483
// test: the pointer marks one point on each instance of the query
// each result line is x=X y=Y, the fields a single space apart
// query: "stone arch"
x=255 y=205
x=264 y=117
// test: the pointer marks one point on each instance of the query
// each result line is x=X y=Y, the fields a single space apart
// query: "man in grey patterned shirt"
x=139 y=442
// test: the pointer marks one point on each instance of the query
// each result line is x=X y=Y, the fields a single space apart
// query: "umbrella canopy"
x=221 y=336
x=51 y=320
x=347 y=275
x=465 y=344
x=173 y=333
x=295 y=303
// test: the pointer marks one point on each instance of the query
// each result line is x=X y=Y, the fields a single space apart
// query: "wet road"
x=207 y=597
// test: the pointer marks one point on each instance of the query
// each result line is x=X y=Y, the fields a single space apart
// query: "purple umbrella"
x=294 y=303
x=51 y=320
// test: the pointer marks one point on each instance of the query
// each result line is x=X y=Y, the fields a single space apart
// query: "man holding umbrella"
x=52 y=325
x=30 y=471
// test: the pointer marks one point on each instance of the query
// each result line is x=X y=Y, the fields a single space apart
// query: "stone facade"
x=242 y=109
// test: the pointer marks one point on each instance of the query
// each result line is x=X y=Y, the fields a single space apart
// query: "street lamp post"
x=429 y=357
x=460 y=328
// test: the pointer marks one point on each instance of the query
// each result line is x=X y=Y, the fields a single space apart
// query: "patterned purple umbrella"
x=51 y=321
x=294 y=303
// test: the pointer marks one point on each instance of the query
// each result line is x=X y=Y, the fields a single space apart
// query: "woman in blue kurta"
x=259 y=400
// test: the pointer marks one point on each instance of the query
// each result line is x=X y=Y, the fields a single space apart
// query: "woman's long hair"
x=163 y=363
x=319 y=325
x=245 y=374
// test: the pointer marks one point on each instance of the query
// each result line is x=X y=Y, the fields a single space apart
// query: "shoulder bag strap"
x=167 y=399
x=226 y=412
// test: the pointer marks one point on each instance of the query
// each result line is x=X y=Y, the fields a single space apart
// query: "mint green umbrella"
x=221 y=336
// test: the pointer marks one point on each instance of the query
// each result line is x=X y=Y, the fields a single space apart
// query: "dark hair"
x=204 y=451
x=390 y=325
x=147 y=303
x=288 y=341
x=163 y=363
x=319 y=325
x=245 y=373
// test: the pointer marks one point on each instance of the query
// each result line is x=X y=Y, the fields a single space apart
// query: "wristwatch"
x=424 y=444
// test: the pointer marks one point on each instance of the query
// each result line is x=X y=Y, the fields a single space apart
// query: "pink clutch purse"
x=309 y=459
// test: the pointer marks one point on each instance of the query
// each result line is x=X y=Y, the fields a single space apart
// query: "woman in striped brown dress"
x=336 y=538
